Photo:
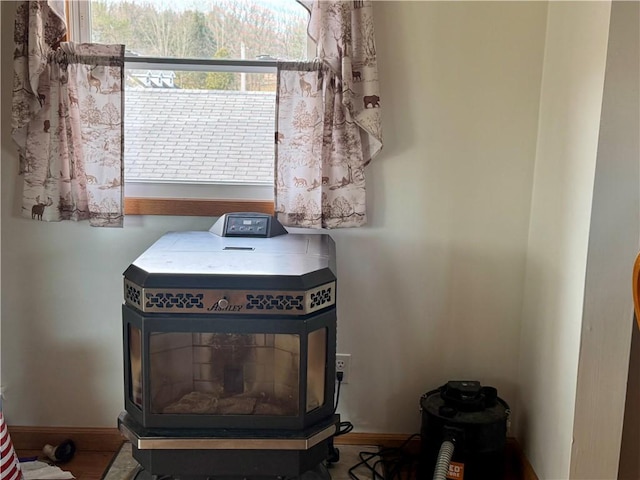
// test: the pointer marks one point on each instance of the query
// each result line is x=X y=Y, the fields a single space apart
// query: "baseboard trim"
x=110 y=439
x=85 y=439
x=526 y=469
x=389 y=440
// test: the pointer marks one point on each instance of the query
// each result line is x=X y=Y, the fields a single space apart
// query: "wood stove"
x=229 y=352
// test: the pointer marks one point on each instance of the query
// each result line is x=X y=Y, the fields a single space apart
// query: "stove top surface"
x=204 y=253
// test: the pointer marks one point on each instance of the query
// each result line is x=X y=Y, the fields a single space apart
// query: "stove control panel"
x=248 y=225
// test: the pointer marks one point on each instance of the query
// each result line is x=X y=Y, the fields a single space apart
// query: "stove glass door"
x=316 y=368
x=135 y=365
x=227 y=373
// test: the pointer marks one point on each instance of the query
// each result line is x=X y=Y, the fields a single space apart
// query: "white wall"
x=613 y=245
x=570 y=107
x=431 y=290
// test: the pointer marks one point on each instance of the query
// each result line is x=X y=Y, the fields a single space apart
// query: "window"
x=199 y=95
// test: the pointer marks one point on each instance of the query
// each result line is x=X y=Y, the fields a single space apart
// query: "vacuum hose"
x=444 y=459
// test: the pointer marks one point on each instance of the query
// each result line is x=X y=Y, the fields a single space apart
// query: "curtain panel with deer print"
x=328 y=120
x=67 y=121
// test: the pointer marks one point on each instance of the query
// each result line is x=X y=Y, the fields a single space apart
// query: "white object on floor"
x=43 y=471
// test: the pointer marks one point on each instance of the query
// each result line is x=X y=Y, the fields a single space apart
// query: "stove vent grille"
x=174 y=300
x=321 y=297
x=133 y=294
x=212 y=301
x=275 y=302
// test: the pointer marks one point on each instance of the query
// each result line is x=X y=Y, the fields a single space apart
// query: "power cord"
x=343 y=427
x=397 y=463
x=339 y=377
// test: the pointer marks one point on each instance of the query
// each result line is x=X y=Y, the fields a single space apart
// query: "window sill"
x=193 y=207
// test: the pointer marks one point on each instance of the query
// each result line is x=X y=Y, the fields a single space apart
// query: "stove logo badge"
x=223 y=305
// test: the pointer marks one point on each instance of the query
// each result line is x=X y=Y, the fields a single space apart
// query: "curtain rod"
x=199 y=64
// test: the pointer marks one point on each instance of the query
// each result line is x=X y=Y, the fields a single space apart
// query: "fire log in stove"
x=229 y=352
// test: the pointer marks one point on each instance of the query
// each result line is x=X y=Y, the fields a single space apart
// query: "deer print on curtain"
x=67 y=120
x=328 y=120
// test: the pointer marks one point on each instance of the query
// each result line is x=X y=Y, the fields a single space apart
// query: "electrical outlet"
x=343 y=364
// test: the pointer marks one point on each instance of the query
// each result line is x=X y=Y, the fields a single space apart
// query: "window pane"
x=206 y=126
x=238 y=29
x=198 y=135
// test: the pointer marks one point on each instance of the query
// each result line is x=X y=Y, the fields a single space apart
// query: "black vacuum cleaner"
x=464 y=432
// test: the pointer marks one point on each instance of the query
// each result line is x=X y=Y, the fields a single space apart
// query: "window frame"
x=154 y=198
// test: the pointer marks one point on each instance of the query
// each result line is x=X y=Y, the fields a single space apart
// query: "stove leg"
x=318 y=473
x=142 y=474
x=334 y=453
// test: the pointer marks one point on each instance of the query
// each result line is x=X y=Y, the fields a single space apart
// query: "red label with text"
x=456 y=471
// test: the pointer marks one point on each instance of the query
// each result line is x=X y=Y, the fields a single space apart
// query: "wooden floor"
x=90 y=465
x=84 y=465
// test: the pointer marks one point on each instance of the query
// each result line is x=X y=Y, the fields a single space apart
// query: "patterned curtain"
x=67 y=121
x=328 y=120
